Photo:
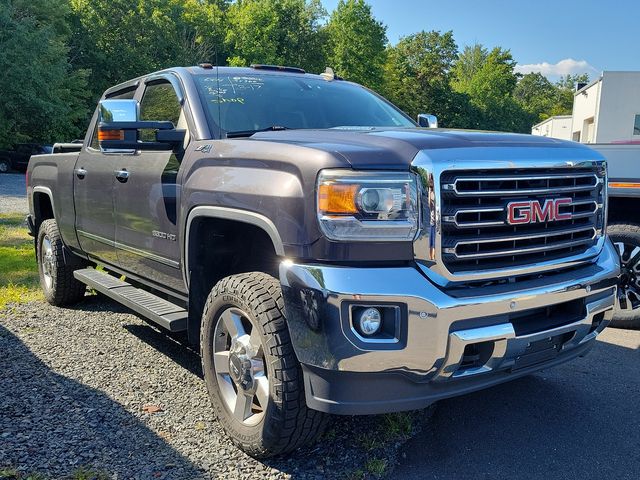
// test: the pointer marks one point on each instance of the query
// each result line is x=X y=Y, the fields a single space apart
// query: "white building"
x=605 y=111
x=556 y=127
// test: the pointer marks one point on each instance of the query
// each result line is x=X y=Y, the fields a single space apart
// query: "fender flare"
x=226 y=213
x=47 y=191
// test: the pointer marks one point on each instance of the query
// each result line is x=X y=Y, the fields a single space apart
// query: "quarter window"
x=636 y=125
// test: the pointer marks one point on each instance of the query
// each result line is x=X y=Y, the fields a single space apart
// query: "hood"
x=396 y=148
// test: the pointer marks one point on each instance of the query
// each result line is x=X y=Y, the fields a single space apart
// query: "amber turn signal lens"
x=337 y=198
x=624 y=185
x=110 y=135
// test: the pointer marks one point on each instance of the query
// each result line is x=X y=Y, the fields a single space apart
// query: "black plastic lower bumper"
x=358 y=393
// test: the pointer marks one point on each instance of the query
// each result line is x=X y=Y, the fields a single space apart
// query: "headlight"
x=361 y=206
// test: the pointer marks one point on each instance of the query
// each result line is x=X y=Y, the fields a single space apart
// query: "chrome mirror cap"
x=428 y=121
x=118 y=110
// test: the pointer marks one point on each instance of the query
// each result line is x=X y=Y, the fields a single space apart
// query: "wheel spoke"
x=262 y=390
x=633 y=261
x=254 y=340
x=221 y=362
x=242 y=408
x=233 y=323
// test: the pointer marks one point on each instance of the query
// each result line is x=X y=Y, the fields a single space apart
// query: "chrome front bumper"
x=343 y=374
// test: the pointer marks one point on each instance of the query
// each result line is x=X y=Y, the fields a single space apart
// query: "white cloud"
x=563 y=67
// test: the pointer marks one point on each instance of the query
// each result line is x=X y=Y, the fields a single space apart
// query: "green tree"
x=469 y=62
x=418 y=78
x=42 y=98
x=356 y=43
x=278 y=32
x=566 y=89
x=121 y=39
x=537 y=95
x=490 y=89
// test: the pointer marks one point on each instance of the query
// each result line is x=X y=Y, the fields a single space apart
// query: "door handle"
x=80 y=173
x=122 y=175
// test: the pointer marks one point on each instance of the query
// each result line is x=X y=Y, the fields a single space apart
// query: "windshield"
x=246 y=103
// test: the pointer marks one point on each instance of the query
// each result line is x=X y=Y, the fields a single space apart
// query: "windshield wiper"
x=248 y=133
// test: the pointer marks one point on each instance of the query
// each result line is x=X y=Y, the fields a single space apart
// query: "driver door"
x=146 y=196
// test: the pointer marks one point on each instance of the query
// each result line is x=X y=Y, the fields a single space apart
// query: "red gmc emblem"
x=533 y=212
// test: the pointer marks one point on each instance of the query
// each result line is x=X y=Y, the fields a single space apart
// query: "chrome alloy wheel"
x=629 y=285
x=240 y=367
x=47 y=261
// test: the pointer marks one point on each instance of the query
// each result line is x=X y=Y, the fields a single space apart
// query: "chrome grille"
x=476 y=234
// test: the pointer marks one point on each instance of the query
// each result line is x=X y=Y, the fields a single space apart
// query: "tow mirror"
x=428 y=121
x=119 y=128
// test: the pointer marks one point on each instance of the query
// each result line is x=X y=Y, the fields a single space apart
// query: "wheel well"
x=624 y=210
x=42 y=208
x=218 y=248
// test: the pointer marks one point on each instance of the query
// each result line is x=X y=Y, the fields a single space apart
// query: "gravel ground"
x=75 y=382
x=13 y=197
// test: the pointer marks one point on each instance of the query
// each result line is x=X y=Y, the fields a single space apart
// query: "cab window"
x=159 y=103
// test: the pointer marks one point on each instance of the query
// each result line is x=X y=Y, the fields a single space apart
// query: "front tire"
x=626 y=239
x=252 y=374
x=5 y=165
x=56 y=272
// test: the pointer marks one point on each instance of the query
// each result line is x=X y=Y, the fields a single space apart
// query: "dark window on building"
x=636 y=125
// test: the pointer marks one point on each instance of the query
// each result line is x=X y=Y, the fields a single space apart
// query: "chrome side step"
x=158 y=310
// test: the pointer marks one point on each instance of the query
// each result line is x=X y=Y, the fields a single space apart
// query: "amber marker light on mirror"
x=110 y=135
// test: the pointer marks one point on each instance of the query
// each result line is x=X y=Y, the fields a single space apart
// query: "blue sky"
x=553 y=37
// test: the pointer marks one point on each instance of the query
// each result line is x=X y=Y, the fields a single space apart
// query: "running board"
x=158 y=310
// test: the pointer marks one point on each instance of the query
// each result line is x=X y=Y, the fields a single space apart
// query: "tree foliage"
x=121 y=39
x=58 y=56
x=356 y=42
x=277 y=32
x=42 y=97
x=418 y=77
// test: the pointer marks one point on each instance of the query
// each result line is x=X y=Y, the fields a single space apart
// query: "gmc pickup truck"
x=327 y=253
x=624 y=226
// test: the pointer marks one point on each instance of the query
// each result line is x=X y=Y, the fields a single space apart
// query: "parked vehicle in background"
x=624 y=226
x=18 y=157
x=326 y=253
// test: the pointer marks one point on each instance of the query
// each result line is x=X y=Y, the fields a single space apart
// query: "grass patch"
x=376 y=466
x=82 y=473
x=18 y=269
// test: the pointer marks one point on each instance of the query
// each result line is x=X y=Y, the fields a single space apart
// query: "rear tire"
x=252 y=374
x=5 y=165
x=56 y=269
x=626 y=239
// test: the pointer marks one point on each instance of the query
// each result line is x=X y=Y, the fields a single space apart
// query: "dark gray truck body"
x=176 y=226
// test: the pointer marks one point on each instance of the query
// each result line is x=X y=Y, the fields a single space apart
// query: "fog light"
x=370 y=321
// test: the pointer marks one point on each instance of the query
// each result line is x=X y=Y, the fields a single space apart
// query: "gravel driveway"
x=13 y=197
x=75 y=383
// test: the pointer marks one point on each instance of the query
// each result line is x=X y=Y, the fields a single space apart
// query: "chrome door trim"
x=136 y=251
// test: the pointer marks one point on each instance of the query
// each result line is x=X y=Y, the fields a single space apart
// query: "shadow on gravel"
x=580 y=420
x=58 y=425
x=352 y=447
x=173 y=345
